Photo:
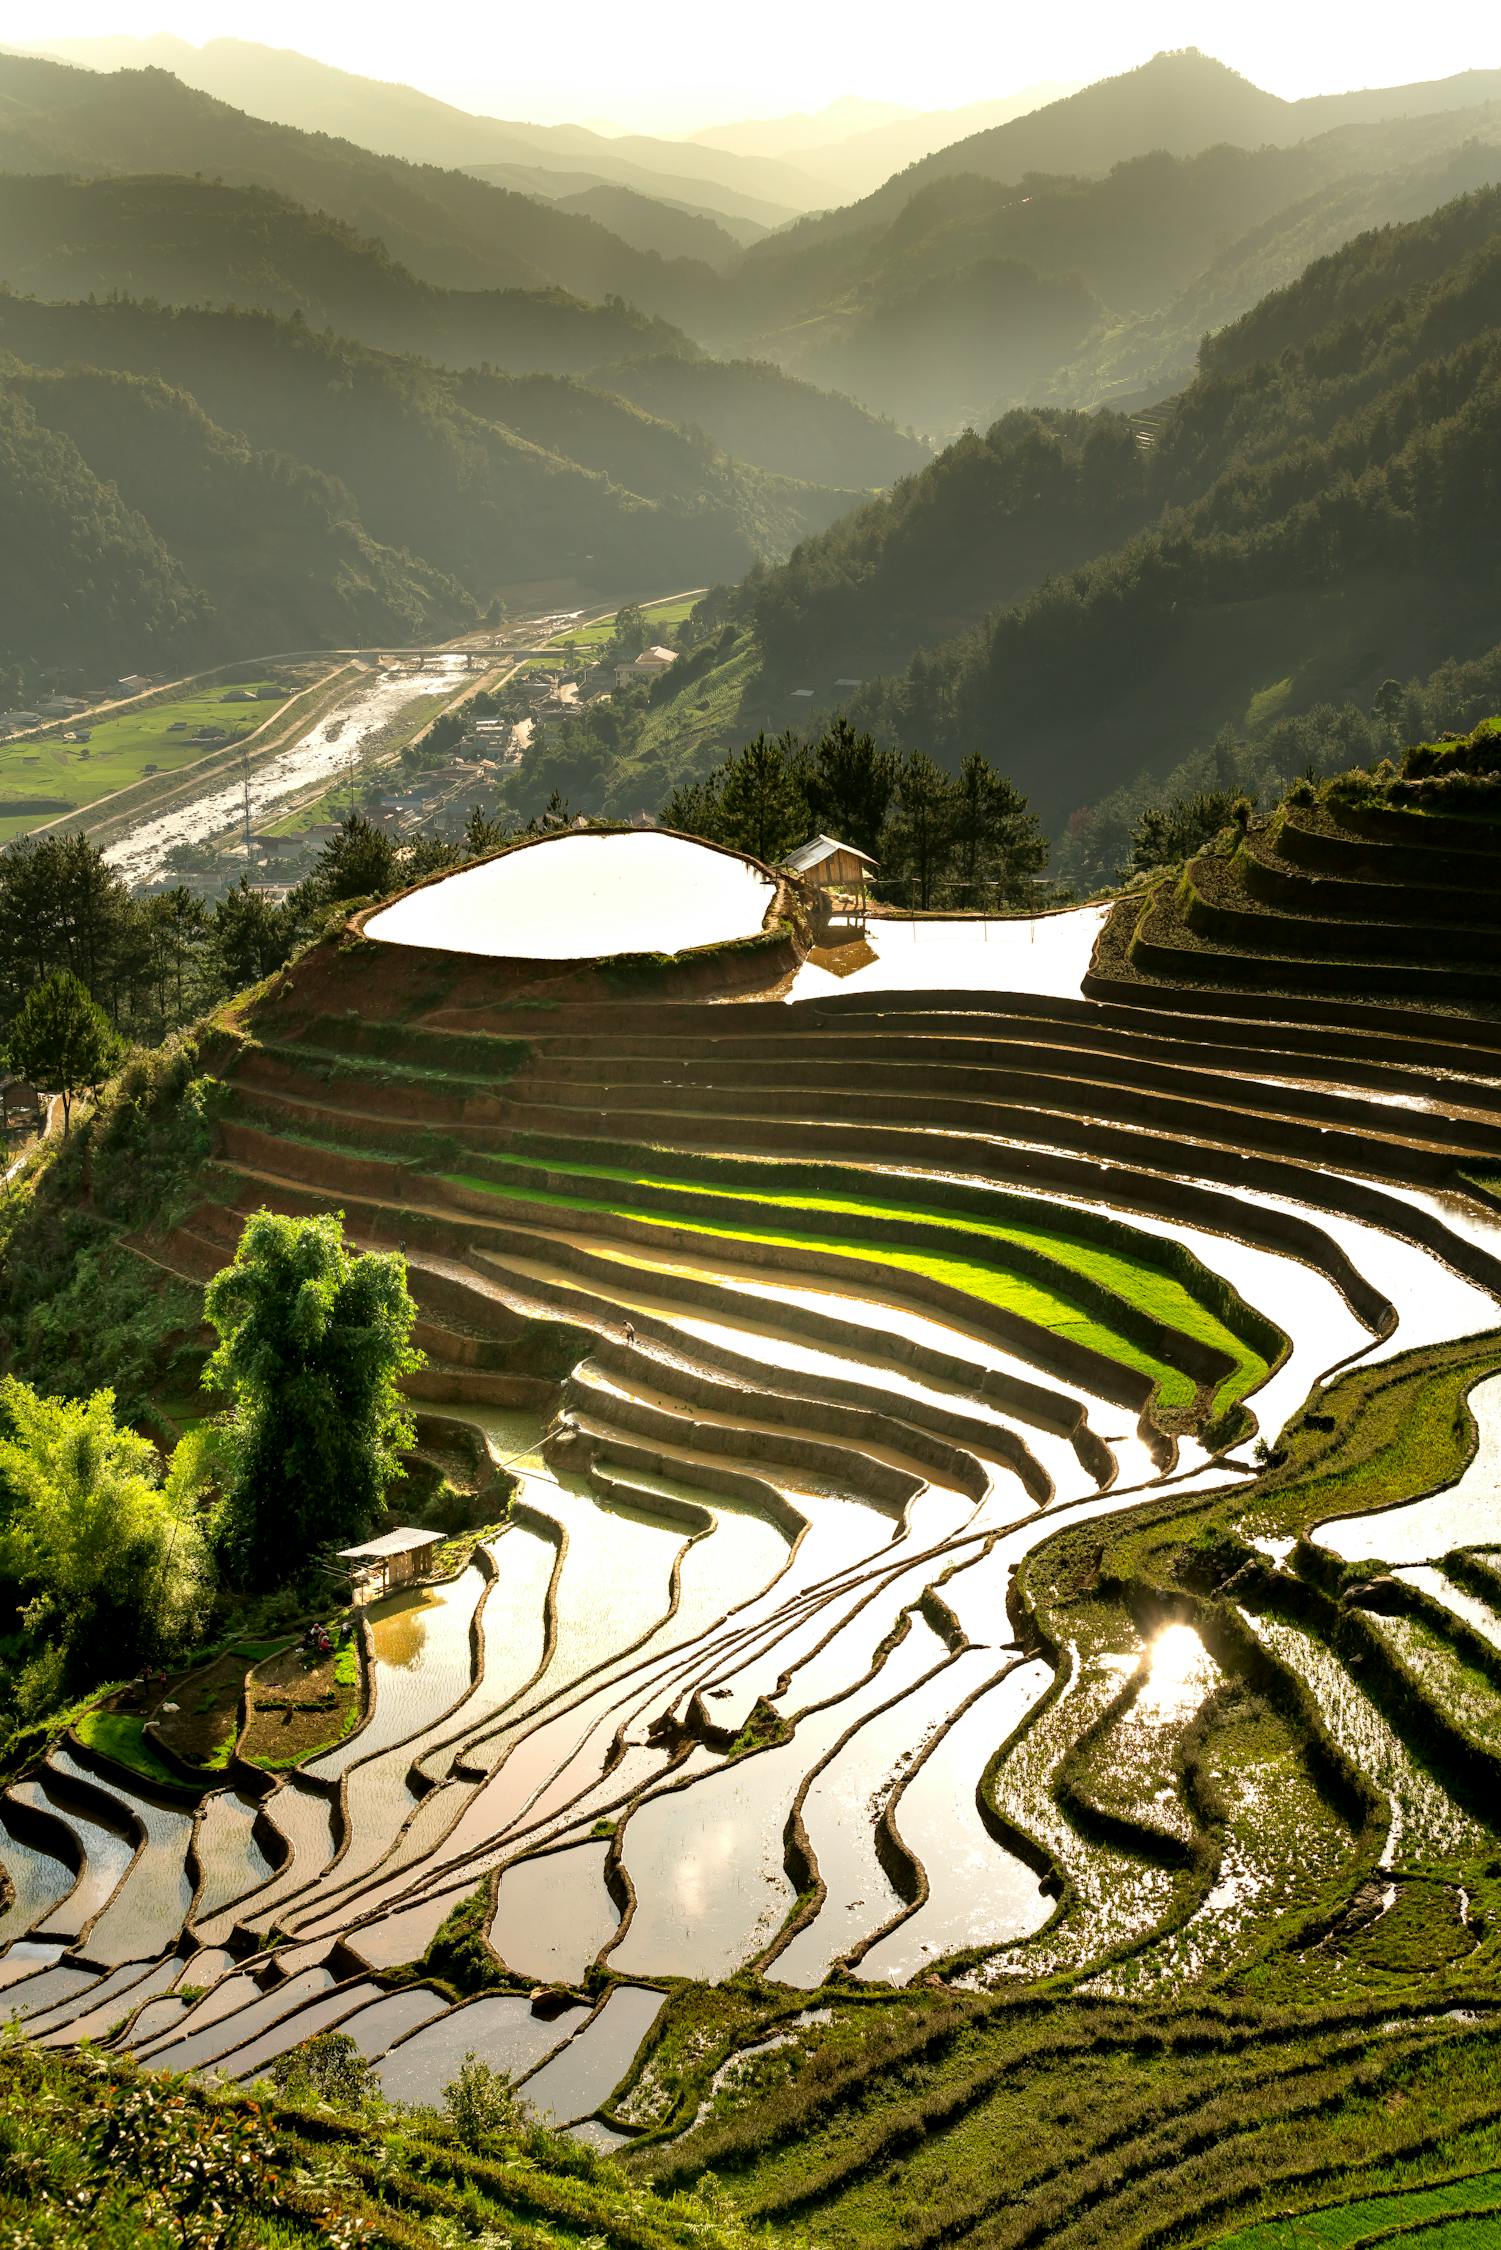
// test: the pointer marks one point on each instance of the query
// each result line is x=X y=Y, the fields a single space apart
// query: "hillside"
x=395 y=120
x=668 y=230
x=446 y=226
x=277 y=548
x=959 y=1697
x=1159 y=243
x=483 y=479
x=758 y=413
x=1140 y=359
x=197 y=241
x=1180 y=102
x=80 y=570
x=1312 y=524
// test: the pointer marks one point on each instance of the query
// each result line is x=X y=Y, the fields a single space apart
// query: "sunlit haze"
x=596 y=62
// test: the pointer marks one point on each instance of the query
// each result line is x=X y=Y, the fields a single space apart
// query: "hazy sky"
x=671 y=70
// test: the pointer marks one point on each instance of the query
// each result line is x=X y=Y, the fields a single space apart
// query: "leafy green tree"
x=482 y=2105
x=694 y=808
x=631 y=633
x=425 y=855
x=482 y=833
x=329 y=2067
x=176 y=924
x=62 y=1040
x=1387 y=706
x=313 y=1341
x=761 y=808
x=110 y=1561
x=1169 y=832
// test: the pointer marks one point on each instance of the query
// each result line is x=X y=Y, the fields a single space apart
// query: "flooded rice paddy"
x=749 y=1679
x=575 y=897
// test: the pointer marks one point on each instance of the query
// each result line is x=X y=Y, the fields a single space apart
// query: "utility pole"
x=245 y=791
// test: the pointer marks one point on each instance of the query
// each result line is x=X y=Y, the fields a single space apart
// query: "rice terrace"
x=973 y=1708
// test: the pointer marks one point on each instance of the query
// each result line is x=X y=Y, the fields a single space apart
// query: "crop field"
x=43 y=779
x=978 y=1681
x=593 y=636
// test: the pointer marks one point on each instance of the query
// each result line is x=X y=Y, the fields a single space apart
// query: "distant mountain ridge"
x=400 y=121
x=447 y=226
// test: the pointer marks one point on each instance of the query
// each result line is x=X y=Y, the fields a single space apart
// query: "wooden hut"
x=394 y=1559
x=829 y=866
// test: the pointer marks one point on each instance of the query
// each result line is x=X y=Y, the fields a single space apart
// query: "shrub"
x=482 y=2105
x=329 y=2067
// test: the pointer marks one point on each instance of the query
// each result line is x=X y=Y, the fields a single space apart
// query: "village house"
x=649 y=665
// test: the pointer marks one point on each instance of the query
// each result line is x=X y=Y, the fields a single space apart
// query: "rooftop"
x=401 y=1541
x=820 y=848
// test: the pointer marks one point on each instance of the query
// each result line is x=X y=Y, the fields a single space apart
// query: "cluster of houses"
x=49 y=708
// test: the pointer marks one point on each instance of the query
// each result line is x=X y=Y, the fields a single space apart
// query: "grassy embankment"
x=46 y=777
x=92 y=2153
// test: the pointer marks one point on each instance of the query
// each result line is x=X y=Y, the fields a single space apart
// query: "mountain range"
x=1083 y=597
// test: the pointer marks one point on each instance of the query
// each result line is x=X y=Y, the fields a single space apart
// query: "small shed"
x=394 y=1559
x=829 y=865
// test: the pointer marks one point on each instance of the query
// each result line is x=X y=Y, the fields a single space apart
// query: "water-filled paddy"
x=979 y=1893
x=229 y=1853
x=574 y=897
x=501 y=2030
x=706 y=1861
x=595 y=2059
x=553 y=1915
x=39 y=1879
x=1045 y=953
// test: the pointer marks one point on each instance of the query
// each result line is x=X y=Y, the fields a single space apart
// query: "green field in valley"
x=594 y=635
x=42 y=779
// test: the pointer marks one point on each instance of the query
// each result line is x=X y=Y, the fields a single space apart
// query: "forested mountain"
x=1332 y=519
x=1144 y=357
x=277 y=548
x=1136 y=265
x=852 y=146
x=1180 y=102
x=481 y=479
x=81 y=574
x=1316 y=513
x=647 y=223
x=760 y=414
x=198 y=241
x=942 y=299
x=994 y=514
x=447 y=226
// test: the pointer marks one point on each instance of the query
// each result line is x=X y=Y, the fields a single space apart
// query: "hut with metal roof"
x=394 y=1559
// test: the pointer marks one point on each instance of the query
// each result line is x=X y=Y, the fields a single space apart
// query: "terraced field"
x=995 y=1642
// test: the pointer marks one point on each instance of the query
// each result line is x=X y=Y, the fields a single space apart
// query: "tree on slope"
x=313 y=1340
x=62 y=1040
x=849 y=784
x=761 y=808
x=999 y=841
x=107 y=1561
x=921 y=834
